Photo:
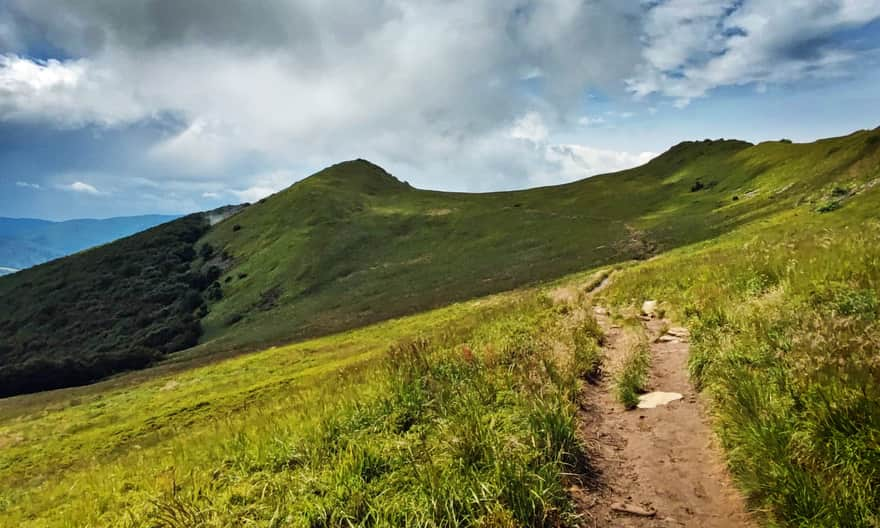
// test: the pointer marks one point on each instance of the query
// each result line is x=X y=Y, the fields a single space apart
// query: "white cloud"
x=694 y=47
x=530 y=127
x=574 y=162
x=67 y=93
x=211 y=195
x=204 y=146
x=28 y=185
x=82 y=187
x=591 y=121
x=460 y=94
x=265 y=184
x=292 y=82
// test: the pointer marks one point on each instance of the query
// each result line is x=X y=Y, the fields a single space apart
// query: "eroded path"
x=661 y=464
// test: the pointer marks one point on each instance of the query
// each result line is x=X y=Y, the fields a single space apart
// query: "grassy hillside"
x=784 y=319
x=464 y=415
x=352 y=245
x=460 y=416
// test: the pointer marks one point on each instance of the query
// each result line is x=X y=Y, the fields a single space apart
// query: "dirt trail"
x=662 y=462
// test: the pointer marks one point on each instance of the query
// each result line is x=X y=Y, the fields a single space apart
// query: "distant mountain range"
x=26 y=242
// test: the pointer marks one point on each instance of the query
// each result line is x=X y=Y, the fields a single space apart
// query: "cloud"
x=530 y=127
x=68 y=93
x=695 y=47
x=459 y=95
x=591 y=121
x=265 y=184
x=28 y=185
x=82 y=187
x=569 y=162
x=291 y=81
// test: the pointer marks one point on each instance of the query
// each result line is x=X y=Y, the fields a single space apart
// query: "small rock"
x=654 y=399
x=632 y=509
x=649 y=307
x=667 y=339
x=678 y=331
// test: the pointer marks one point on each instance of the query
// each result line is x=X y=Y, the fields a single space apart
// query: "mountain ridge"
x=353 y=245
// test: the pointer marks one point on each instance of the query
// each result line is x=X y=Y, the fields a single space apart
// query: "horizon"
x=302 y=177
x=104 y=110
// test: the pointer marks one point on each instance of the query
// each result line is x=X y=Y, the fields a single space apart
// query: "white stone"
x=653 y=399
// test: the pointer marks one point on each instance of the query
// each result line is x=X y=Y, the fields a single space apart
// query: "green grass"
x=352 y=245
x=588 y=338
x=783 y=315
x=468 y=419
x=631 y=377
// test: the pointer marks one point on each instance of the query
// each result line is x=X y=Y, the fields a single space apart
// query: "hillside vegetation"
x=467 y=415
x=352 y=245
x=118 y=307
x=460 y=416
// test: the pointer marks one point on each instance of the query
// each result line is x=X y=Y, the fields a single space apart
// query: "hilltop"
x=504 y=410
x=352 y=245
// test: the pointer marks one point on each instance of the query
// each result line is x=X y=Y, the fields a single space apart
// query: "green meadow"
x=464 y=414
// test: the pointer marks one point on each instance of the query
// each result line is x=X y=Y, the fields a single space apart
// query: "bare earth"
x=660 y=464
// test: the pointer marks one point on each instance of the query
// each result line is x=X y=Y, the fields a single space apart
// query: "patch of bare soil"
x=656 y=467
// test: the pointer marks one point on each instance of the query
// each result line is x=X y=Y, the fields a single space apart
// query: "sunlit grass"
x=784 y=322
x=468 y=420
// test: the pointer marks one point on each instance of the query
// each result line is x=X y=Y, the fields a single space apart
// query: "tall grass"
x=785 y=337
x=453 y=434
x=467 y=427
x=631 y=376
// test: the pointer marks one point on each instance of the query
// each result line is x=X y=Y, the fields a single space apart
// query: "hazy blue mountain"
x=26 y=242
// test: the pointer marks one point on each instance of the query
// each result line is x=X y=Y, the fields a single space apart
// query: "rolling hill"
x=477 y=413
x=26 y=242
x=353 y=245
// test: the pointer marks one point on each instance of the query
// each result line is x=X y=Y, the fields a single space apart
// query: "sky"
x=112 y=108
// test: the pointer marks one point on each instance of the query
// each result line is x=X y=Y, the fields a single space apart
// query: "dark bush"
x=697 y=186
x=207 y=251
x=212 y=274
x=215 y=292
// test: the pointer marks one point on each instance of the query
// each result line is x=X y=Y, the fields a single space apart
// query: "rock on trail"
x=657 y=465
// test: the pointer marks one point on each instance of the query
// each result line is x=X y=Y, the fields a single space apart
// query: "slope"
x=352 y=245
x=117 y=307
x=470 y=419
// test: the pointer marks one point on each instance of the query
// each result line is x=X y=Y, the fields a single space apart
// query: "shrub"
x=829 y=206
x=206 y=251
